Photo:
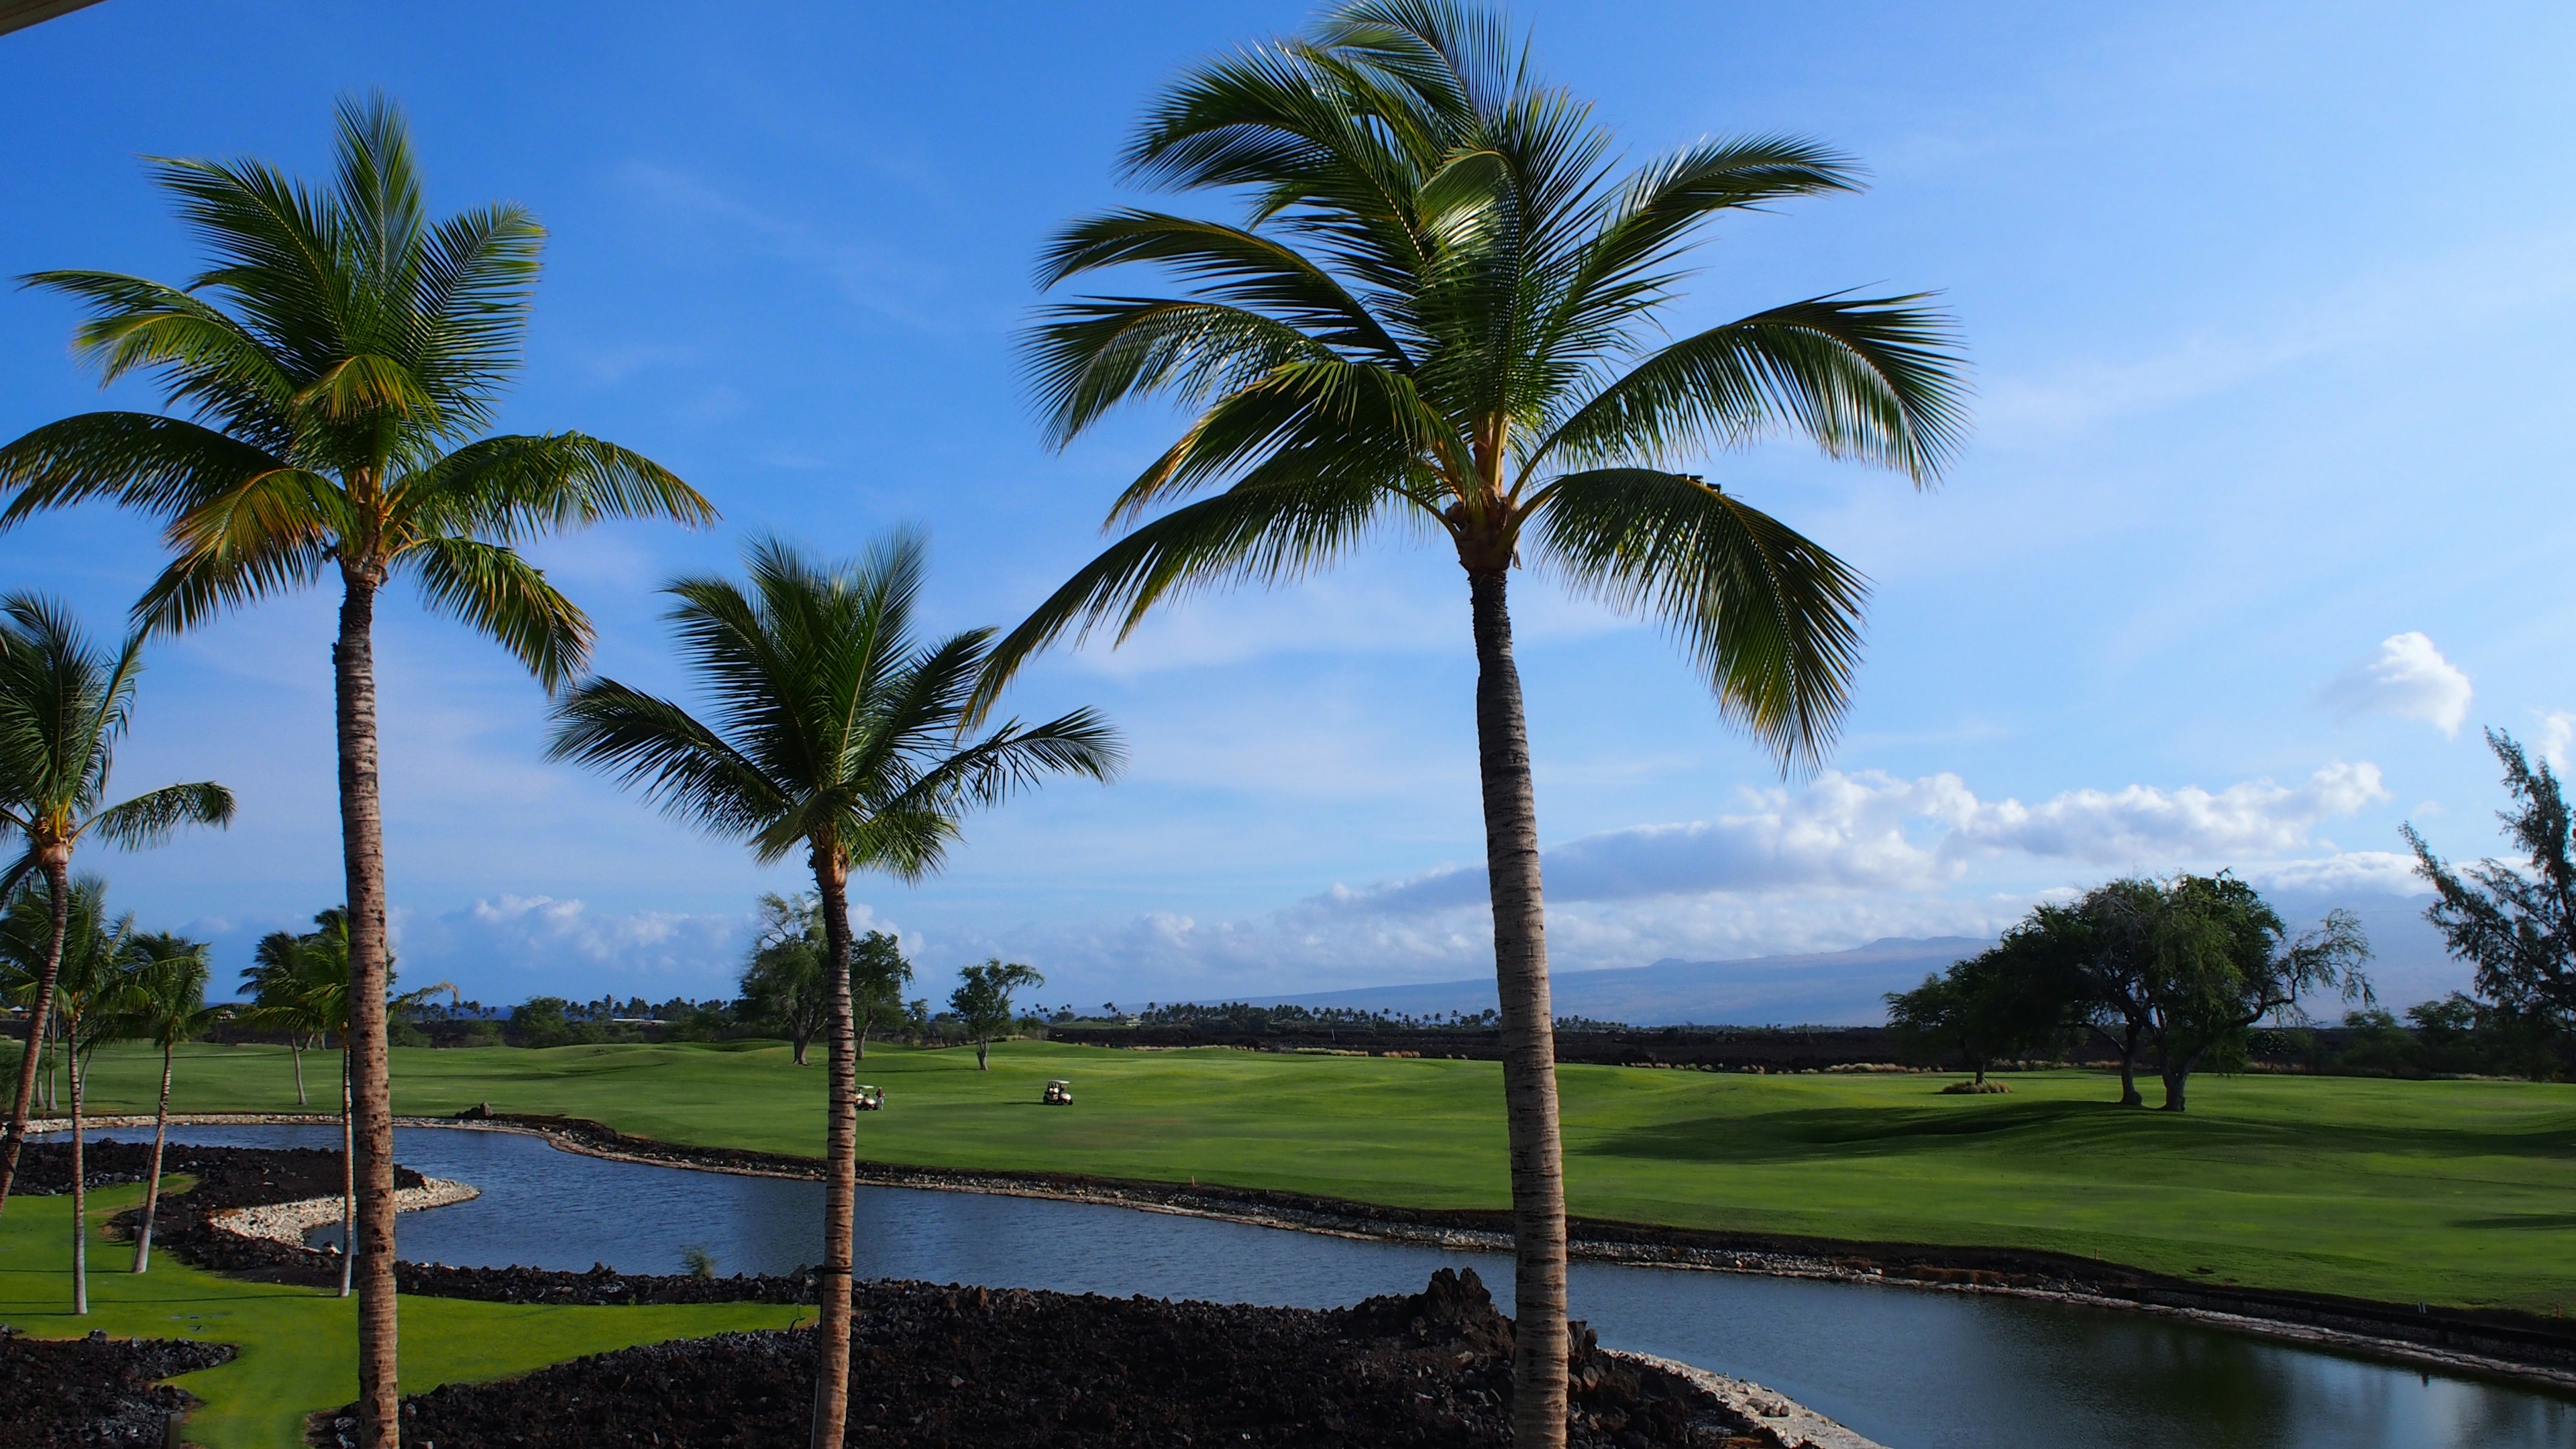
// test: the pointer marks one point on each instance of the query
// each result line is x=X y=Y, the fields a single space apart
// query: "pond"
x=1911 y=1368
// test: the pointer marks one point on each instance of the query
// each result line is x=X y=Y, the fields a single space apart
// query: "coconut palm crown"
x=1438 y=310
x=65 y=703
x=836 y=734
x=337 y=362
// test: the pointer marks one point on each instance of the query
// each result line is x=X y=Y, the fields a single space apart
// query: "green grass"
x=2451 y=1192
x=298 y=1347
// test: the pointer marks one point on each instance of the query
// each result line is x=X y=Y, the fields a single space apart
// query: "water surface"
x=1911 y=1368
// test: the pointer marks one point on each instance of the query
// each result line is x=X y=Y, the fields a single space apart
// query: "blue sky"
x=2265 y=515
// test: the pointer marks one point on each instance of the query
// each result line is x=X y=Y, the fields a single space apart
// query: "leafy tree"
x=837 y=734
x=337 y=358
x=2515 y=922
x=64 y=705
x=540 y=1021
x=164 y=1004
x=2007 y=1000
x=1439 y=317
x=2106 y=939
x=2221 y=960
x=878 y=975
x=982 y=1001
x=782 y=982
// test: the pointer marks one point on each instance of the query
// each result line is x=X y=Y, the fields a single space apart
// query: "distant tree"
x=783 y=983
x=64 y=705
x=839 y=734
x=165 y=1004
x=541 y=1021
x=2515 y=922
x=2374 y=1044
x=878 y=975
x=2010 y=999
x=982 y=1002
x=2221 y=960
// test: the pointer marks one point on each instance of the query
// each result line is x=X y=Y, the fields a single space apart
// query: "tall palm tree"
x=164 y=1004
x=337 y=358
x=64 y=705
x=1438 y=315
x=836 y=734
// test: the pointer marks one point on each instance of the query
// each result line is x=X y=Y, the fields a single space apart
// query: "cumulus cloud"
x=1873 y=832
x=504 y=948
x=2407 y=679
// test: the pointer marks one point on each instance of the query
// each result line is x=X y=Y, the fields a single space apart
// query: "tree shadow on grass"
x=2043 y=1129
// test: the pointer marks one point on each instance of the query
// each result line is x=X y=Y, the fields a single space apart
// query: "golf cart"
x=1059 y=1093
x=871 y=1099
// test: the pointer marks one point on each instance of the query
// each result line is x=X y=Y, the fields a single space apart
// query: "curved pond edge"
x=2494 y=1343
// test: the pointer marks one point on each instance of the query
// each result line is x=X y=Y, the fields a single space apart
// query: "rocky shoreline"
x=1016 y=1369
x=2492 y=1343
x=249 y=1207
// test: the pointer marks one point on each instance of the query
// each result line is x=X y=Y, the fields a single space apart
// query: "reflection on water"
x=1910 y=1368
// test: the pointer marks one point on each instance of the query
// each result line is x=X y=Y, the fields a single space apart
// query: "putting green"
x=2449 y=1192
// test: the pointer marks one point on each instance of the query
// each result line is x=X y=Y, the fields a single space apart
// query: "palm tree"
x=836 y=734
x=89 y=987
x=64 y=705
x=275 y=984
x=338 y=357
x=1439 y=316
x=165 y=1004
x=301 y=986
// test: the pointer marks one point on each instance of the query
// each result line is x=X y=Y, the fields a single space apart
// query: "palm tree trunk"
x=80 y=1186
x=348 y=1177
x=58 y=882
x=362 y=852
x=295 y=1049
x=1528 y=1025
x=841 y=1160
x=152 y=1194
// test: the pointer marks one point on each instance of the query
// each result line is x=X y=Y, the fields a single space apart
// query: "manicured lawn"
x=2452 y=1192
x=298 y=1346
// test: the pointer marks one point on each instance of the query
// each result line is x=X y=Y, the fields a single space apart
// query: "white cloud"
x=2407 y=679
x=1845 y=860
x=508 y=947
x=1873 y=832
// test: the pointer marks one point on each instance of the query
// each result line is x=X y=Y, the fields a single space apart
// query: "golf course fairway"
x=2453 y=1192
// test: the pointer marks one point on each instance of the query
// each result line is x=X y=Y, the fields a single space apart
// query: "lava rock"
x=1008 y=1368
x=95 y=1390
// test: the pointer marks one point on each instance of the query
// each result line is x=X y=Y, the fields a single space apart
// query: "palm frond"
x=148 y=820
x=511 y=488
x=655 y=746
x=491 y=589
x=1870 y=378
x=157 y=465
x=1769 y=618
x=1271 y=532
